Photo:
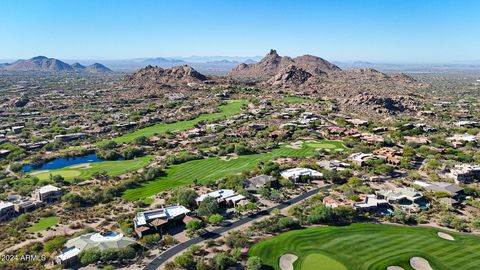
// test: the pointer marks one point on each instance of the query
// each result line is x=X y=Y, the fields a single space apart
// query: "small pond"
x=59 y=163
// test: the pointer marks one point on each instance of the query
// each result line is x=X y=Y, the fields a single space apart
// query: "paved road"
x=162 y=258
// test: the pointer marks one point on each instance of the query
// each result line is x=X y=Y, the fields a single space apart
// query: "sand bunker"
x=445 y=236
x=295 y=145
x=39 y=172
x=419 y=263
x=286 y=261
x=229 y=157
x=395 y=268
x=81 y=166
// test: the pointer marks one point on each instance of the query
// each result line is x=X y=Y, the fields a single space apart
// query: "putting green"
x=369 y=247
x=208 y=169
x=112 y=168
x=320 y=261
x=327 y=145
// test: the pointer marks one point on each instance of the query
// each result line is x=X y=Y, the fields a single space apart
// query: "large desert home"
x=297 y=174
x=110 y=240
x=155 y=220
x=405 y=198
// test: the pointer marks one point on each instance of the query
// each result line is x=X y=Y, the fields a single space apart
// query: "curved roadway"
x=165 y=256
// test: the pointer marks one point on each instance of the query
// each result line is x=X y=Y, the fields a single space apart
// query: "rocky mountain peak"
x=273 y=63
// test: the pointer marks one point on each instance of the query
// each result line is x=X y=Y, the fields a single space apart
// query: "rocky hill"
x=273 y=63
x=363 y=90
x=356 y=90
x=155 y=78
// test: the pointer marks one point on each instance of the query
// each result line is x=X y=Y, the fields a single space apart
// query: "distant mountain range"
x=45 y=64
x=218 y=65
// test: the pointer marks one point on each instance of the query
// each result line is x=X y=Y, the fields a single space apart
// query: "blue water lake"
x=62 y=163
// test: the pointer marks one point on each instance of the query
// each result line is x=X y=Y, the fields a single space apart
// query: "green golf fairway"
x=369 y=247
x=229 y=109
x=214 y=168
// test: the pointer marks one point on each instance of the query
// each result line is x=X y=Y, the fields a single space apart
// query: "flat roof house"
x=360 y=158
x=70 y=137
x=153 y=220
x=464 y=173
x=23 y=204
x=370 y=202
x=4 y=153
x=7 y=210
x=296 y=173
x=450 y=189
x=226 y=196
x=333 y=165
x=47 y=194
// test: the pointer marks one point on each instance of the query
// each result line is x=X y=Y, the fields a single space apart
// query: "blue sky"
x=415 y=31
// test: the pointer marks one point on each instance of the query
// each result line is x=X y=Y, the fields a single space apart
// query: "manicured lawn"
x=232 y=108
x=86 y=170
x=214 y=168
x=369 y=246
x=43 y=224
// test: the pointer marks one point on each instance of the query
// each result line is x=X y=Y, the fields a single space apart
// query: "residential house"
x=4 y=153
x=154 y=220
x=254 y=183
x=102 y=241
x=404 y=198
x=334 y=202
x=70 y=137
x=467 y=124
x=357 y=122
x=277 y=133
x=370 y=138
x=296 y=174
x=361 y=158
x=7 y=210
x=23 y=204
x=461 y=139
x=47 y=194
x=389 y=154
x=17 y=129
x=370 y=202
x=417 y=140
x=333 y=165
x=454 y=192
x=223 y=196
x=464 y=173
x=257 y=126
